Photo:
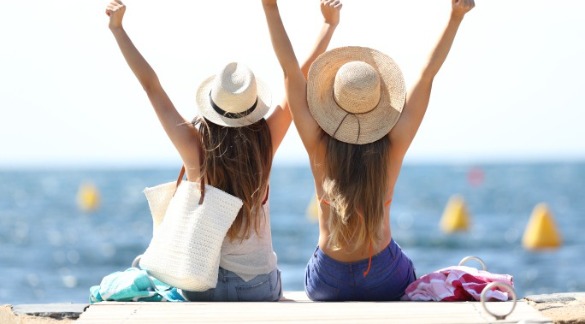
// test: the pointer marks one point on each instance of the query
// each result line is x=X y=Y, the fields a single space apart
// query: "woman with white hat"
x=229 y=146
x=356 y=123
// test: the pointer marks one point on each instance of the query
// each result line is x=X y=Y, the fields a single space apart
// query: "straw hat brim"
x=355 y=128
x=207 y=111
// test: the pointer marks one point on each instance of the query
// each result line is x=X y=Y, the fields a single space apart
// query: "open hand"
x=330 y=10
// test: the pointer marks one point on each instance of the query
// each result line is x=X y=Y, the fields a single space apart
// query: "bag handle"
x=180 y=179
x=202 y=183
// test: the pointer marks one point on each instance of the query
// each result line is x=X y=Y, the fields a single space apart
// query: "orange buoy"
x=541 y=231
x=455 y=217
x=88 y=197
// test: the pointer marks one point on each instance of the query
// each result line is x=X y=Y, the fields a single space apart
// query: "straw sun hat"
x=233 y=97
x=355 y=94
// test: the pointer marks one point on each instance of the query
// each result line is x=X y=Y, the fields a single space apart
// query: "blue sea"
x=53 y=251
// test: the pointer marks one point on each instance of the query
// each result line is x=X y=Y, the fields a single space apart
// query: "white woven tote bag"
x=185 y=248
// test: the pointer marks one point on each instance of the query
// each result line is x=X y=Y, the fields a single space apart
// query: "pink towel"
x=459 y=283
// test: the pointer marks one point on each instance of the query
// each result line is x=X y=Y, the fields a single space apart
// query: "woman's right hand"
x=115 y=10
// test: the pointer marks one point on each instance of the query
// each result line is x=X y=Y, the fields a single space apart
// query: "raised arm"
x=182 y=133
x=295 y=82
x=417 y=100
x=330 y=9
x=280 y=119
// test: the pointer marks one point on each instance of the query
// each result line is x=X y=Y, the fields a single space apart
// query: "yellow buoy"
x=541 y=231
x=455 y=217
x=313 y=209
x=88 y=197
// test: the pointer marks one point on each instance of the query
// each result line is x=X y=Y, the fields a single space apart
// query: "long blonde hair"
x=355 y=185
x=237 y=160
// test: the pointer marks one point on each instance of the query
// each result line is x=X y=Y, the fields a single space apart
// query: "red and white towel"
x=458 y=283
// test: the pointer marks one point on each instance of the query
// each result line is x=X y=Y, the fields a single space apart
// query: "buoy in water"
x=475 y=176
x=541 y=231
x=313 y=209
x=455 y=217
x=88 y=197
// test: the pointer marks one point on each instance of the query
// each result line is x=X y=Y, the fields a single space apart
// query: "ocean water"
x=52 y=251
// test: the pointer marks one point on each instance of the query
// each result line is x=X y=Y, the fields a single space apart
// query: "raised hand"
x=461 y=7
x=115 y=10
x=330 y=10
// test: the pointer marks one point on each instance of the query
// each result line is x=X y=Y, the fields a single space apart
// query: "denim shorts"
x=230 y=287
x=391 y=272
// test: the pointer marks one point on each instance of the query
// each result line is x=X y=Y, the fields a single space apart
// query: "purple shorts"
x=391 y=272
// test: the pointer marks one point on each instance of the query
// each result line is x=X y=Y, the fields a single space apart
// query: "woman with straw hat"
x=356 y=123
x=229 y=146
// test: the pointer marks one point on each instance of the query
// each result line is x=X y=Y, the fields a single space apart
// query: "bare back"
x=318 y=167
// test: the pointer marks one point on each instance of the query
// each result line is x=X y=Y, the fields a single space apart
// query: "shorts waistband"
x=389 y=251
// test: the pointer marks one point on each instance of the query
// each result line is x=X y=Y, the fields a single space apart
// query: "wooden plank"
x=307 y=312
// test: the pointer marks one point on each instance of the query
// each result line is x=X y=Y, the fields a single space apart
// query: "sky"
x=511 y=89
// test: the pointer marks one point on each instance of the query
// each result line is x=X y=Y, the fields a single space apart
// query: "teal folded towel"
x=133 y=284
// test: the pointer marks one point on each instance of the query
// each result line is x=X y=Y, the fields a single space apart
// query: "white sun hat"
x=233 y=97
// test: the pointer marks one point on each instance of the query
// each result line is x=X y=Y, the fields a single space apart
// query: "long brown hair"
x=356 y=184
x=237 y=160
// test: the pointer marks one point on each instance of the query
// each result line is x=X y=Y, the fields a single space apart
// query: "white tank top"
x=251 y=257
